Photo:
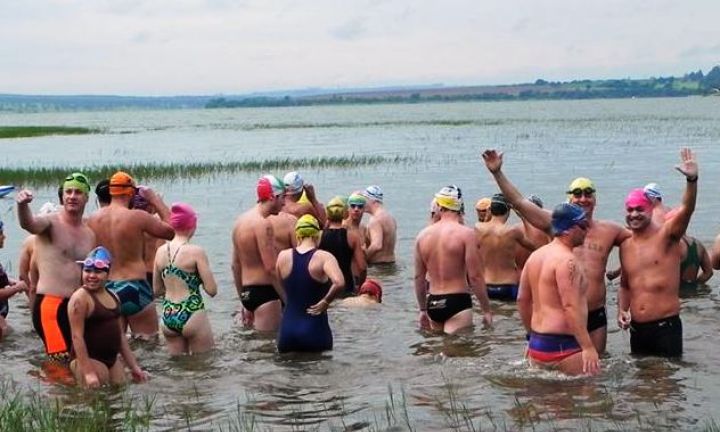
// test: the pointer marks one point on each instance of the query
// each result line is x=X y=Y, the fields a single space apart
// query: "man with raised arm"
x=648 y=299
x=552 y=302
x=122 y=231
x=381 y=229
x=61 y=239
x=254 y=257
x=592 y=254
x=446 y=254
x=300 y=198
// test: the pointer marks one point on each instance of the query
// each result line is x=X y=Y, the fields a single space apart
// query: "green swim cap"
x=77 y=180
x=336 y=208
x=307 y=226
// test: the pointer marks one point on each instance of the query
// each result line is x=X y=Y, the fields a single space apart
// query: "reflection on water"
x=384 y=373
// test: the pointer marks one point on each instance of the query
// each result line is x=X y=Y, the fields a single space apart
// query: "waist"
x=670 y=321
x=552 y=343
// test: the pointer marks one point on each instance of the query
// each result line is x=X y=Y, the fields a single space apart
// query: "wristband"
x=692 y=180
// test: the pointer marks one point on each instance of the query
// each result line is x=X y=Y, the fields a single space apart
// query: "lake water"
x=442 y=382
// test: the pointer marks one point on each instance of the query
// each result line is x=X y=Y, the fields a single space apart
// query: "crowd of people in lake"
x=91 y=280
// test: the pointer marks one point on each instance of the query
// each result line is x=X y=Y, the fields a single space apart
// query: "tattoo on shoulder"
x=571 y=267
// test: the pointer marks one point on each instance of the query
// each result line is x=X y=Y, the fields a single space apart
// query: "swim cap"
x=77 y=180
x=450 y=197
x=307 y=226
x=268 y=187
x=434 y=207
x=122 y=184
x=102 y=190
x=336 y=208
x=98 y=258
x=565 y=216
x=483 y=204
x=182 y=217
x=374 y=193
x=357 y=199
x=580 y=185
x=498 y=205
x=652 y=191
x=638 y=198
x=293 y=183
x=535 y=200
x=371 y=287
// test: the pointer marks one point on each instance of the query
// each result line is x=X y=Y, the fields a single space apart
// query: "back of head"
x=483 y=204
x=498 y=205
x=450 y=198
x=268 y=187
x=652 y=191
x=307 y=226
x=122 y=184
x=336 y=208
x=372 y=288
x=293 y=183
x=102 y=190
x=565 y=216
x=374 y=193
x=182 y=217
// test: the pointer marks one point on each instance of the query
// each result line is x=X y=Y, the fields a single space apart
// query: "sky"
x=210 y=47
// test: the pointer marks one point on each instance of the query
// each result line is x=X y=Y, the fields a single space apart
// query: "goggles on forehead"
x=78 y=177
x=577 y=193
x=96 y=264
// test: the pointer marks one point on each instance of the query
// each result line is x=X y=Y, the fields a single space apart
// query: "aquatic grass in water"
x=51 y=176
x=36 y=131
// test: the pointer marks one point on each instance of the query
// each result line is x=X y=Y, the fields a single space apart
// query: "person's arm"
x=375 y=232
x=421 y=285
x=358 y=257
x=574 y=306
x=522 y=240
x=155 y=227
x=153 y=198
x=715 y=254
x=78 y=310
x=29 y=222
x=623 y=317
x=158 y=282
x=474 y=267
x=705 y=264
x=206 y=274
x=688 y=167
x=536 y=216
x=138 y=374
x=333 y=272
x=12 y=289
x=318 y=207
x=524 y=300
x=268 y=254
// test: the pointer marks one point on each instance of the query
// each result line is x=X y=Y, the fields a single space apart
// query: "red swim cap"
x=371 y=287
x=268 y=187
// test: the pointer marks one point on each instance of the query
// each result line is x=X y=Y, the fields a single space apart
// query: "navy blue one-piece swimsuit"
x=300 y=331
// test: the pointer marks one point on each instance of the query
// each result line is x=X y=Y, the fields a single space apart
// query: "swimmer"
x=180 y=269
x=498 y=243
x=446 y=253
x=61 y=239
x=311 y=278
x=369 y=294
x=382 y=228
x=254 y=257
x=592 y=254
x=695 y=267
x=102 y=193
x=300 y=198
x=97 y=331
x=482 y=208
x=346 y=246
x=150 y=243
x=122 y=231
x=648 y=298
x=27 y=264
x=552 y=303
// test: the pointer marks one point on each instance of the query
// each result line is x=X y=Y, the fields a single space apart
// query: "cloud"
x=352 y=29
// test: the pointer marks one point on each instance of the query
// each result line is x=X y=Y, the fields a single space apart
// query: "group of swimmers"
x=90 y=278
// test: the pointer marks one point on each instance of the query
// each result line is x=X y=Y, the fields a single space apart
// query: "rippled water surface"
x=381 y=363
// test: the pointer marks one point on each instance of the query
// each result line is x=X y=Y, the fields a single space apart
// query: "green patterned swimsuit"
x=176 y=315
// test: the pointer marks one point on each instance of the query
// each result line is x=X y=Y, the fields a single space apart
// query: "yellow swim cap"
x=336 y=208
x=307 y=226
x=579 y=186
x=483 y=204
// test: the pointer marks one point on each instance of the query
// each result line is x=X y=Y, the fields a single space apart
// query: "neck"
x=306 y=243
x=264 y=208
x=564 y=240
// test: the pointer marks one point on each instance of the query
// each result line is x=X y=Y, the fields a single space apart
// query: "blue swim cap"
x=98 y=258
x=566 y=216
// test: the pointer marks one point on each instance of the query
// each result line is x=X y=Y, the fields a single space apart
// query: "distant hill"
x=693 y=83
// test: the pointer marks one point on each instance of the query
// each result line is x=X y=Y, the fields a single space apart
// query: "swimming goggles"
x=78 y=177
x=359 y=206
x=97 y=264
x=577 y=193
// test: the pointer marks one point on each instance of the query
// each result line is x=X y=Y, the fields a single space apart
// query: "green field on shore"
x=36 y=131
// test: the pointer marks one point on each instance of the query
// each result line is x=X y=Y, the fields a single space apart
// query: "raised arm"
x=156 y=227
x=688 y=167
x=474 y=267
x=153 y=198
x=537 y=217
x=317 y=206
x=29 y=222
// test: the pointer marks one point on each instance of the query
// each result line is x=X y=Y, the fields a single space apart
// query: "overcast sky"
x=170 y=47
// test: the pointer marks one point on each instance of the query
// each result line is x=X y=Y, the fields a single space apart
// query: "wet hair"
x=102 y=190
x=498 y=205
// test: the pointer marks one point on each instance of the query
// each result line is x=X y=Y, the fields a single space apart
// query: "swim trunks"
x=662 y=337
x=596 y=319
x=507 y=292
x=254 y=296
x=442 y=307
x=135 y=295
x=550 y=348
x=51 y=323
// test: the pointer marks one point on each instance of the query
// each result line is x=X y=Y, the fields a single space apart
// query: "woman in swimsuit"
x=180 y=269
x=97 y=332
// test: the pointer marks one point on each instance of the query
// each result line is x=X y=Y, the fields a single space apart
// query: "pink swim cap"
x=182 y=217
x=637 y=198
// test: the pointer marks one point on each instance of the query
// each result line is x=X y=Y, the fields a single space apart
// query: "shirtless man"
x=254 y=257
x=61 y=239
x=536 y=236
x=122 y=231
x=446 y=253
x=300 y=198
x=592 y=254
x=497 y=243
x=648 y=298
x=382 y=229
x=552 y=302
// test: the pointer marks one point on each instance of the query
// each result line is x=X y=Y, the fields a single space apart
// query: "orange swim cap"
x=122 y=184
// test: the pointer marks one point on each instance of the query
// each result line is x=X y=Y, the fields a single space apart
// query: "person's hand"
x=318 y=307
x=91 y=380
x=310 y=192
x=493 y=160
x=139 y=375
x=25 y=196
x=623 y=319
x=591 y=362
x=247 y=318
x=487 y=318
x=688 y=165
x=424 y=320
x=20 y=286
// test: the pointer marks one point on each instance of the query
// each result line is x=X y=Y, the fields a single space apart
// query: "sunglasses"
x=577 y=193
x=357 y=206
x=96 y=264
